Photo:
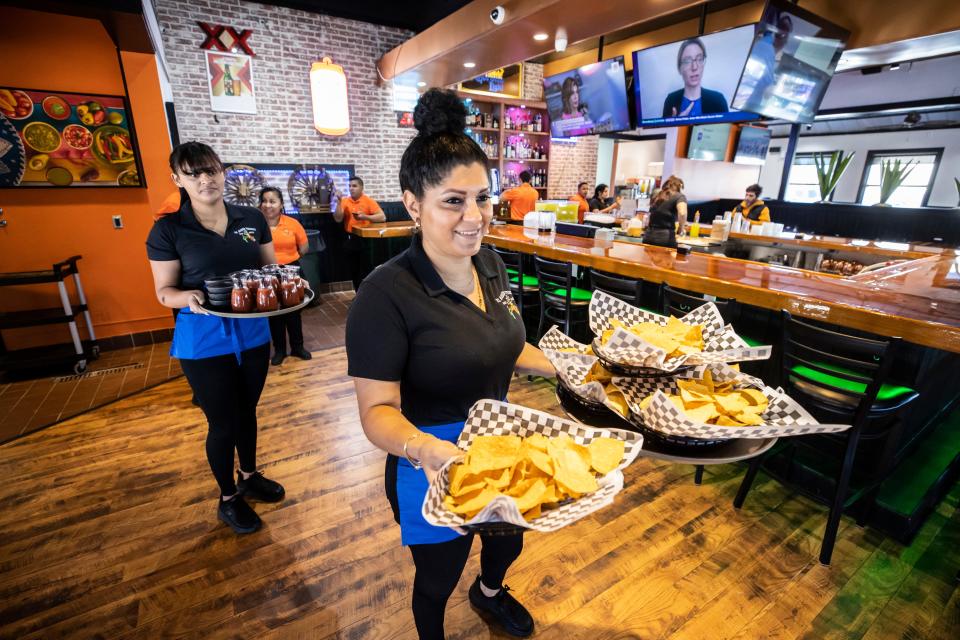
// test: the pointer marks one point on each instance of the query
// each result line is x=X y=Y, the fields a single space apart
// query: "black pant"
x=228 y=393
x=280 y=326
x=354 y=250
x=439 y=567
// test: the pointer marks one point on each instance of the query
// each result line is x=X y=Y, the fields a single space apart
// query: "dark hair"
x=598 y=190
x=276 y=191
x=687 y=43
x=440 y=144
x=566 y=90
x=357 y=179
x=581 y=184
x=194 y=156
x=755 y=189
x=525 y=176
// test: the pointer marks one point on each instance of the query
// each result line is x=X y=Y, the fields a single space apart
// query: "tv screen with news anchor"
x=588 y=100
x=691 y=81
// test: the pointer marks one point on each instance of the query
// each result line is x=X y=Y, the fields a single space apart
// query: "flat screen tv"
x=752 y=145
x=709 y=141
x=691 y=81
x=791 y=62
x=588 y=100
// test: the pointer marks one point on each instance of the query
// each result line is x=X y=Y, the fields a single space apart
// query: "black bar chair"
x=678 y=302
x=626 y=289
x=523 y=284
x=561 y=301
x=839 y=378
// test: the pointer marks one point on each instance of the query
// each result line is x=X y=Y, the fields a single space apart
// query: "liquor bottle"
x=538 y=123
x=483 y=120
x=227 y=81
x=506 y=121
x=496 y=122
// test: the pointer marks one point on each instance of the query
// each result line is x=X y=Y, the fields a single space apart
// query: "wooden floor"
x=107 y=530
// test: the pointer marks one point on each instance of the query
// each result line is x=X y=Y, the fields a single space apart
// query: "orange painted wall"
x=65 y=53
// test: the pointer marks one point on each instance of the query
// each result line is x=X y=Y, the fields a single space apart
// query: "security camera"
x=498 y=15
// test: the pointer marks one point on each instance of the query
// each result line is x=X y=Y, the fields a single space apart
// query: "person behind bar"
x=357 y=210
x=431 y=332
x=223 y=359
x=601 y=202
x=522 y=198
x=753 y=208
x=290 y=244
x=580 y=197
x=668 y=208
x=693 y=99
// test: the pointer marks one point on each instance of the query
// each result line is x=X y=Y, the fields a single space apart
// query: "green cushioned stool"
x=576 y=294
x=887 y=392
x=529 y=282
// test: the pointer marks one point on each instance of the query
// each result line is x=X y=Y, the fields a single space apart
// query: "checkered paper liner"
x=721 y=342
x=492 y=417
x=573 y=368
x=783 y=417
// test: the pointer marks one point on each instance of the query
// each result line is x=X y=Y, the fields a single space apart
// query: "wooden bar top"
x=400 y=229
x=892 y=250
x=917 y=300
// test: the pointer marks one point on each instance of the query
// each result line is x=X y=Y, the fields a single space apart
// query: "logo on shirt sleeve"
x=506 y=299
x=247 y=234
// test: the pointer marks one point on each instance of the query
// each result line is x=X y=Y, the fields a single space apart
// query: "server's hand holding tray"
x=540 y=443
x=629 y=341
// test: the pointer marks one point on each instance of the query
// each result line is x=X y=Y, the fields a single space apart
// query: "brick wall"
x=286 y=42
x=532 y=81
x=571 y=162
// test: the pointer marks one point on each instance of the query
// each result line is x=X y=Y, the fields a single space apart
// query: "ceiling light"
x=469 y=65
x=421 y=84
x=539 y=37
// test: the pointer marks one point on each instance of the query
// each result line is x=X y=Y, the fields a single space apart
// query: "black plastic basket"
x=593 y=408
x=632 y=371
x=681 y=442
x=495 y=529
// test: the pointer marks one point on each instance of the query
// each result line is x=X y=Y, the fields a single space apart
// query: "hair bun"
x=439 y=111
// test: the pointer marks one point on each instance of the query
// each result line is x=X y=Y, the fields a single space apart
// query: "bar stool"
x=626 y=289
x=561 y=302
x=524 y=287
x=841 y=379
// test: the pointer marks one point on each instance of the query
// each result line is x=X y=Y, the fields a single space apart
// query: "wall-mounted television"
x=588 y=100
x=691 y=81
x=791 y=62
x=709 y=141
x=752 y=146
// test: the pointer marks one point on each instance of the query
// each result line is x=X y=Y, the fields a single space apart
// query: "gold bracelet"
x=416 y=464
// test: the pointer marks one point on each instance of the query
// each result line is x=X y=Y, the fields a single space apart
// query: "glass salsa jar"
x=241 y=298
x=267 y=296
x=288 y=288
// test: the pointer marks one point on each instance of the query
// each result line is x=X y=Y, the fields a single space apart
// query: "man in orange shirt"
x=358 y=210
x=580 y=197
x=522 y=199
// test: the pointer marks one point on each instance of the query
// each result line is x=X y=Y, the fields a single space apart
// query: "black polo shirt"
x=406 y=325
x=204 y=254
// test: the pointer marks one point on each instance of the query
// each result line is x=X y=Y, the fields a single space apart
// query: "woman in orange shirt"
x=290 y=243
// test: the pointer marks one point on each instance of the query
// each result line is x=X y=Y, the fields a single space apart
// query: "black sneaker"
x=257 y=487
x=277 y=359
x=301 y=353
x=504 y=608
x=238 y=514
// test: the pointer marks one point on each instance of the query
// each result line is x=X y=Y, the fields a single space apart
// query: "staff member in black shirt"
x=668 y=208
x=224 y=359
x=430 y=333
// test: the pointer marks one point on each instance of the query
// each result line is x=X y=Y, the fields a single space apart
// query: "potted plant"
x=892 y=175
x=956 y=181
x=829 y=171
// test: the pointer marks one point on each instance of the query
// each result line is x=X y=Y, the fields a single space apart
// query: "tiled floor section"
x=29 y=405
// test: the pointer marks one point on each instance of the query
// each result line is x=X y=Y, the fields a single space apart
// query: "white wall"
x=919 y=80
x=706 y=180
x=944 y=193
x=633 y=158
x=605 y=162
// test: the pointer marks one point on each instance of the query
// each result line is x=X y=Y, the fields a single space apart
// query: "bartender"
x=580 y=197
x=753 y=209
x=522 y=199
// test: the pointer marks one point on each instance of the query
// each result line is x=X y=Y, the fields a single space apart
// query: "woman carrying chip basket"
x=431 y=332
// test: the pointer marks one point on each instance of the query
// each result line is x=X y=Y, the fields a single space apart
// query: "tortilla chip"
x=606 y=454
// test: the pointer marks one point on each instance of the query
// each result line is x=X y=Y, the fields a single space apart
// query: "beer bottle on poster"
x=227 y=81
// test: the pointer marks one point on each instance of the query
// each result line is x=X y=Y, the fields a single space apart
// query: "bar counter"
x=917 y=300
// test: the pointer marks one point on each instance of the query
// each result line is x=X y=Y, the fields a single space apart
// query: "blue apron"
x=198 y=336
x=412 y=489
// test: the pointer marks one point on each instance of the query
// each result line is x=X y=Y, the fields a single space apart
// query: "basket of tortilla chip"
x=528 y=469
x=636 y=342
x=581 y=374
x=705 y=411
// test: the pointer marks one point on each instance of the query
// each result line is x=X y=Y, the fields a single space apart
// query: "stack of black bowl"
x=218 y=291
